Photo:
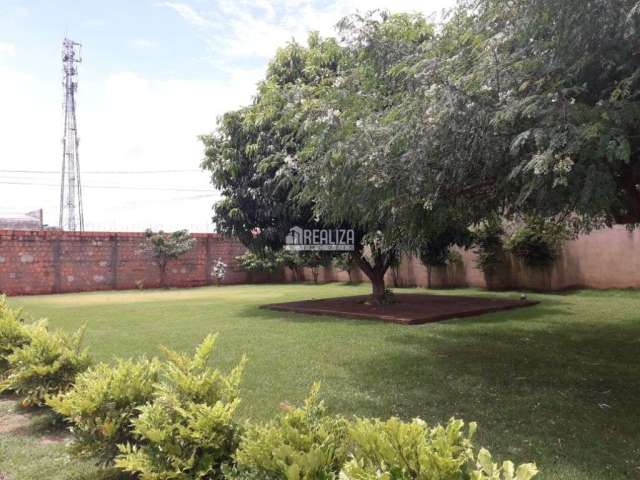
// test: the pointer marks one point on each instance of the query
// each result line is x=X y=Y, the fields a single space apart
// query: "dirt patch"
x=52 y=439
x=14 y=423
x=410 y=309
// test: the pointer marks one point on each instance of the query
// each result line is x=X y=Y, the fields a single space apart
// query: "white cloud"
x=7 y=48
x=131 y=121
x=243 y=28
x=188 y=13
x=126 y=121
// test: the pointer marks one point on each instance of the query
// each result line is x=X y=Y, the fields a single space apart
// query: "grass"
x=557 y=383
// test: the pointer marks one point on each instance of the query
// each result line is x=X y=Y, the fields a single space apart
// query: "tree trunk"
x=375 y=273
x=349 y=273
x=428 y=276
x=315 y=272
x=163 y=274
x=378 y=287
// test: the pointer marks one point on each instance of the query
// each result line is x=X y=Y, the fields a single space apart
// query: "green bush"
x=13 y=334
x=537 y=242
x=489 y=246
x=47 y=365
x=301 y=444
x=188 y=430
x=396 y=450
x=266 y=261
x=102 y=404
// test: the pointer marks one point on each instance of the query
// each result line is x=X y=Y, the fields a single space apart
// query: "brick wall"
x=54 y=261
x=607 y=258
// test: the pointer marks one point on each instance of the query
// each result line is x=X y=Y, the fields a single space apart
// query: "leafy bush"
x=303 y=443
x=166 y=247
x=13 y=333
x=187 y=431
x=263 y=262
x=102 y=404
x=47 y=365
x=399 y=450
x=488 y=240
x=537 y=242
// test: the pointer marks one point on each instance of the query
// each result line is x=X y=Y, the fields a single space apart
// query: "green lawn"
x=558 y=383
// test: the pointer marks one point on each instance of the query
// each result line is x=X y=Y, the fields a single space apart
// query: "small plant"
x=167 y=246
x=47 y=365
x=13 y=334
x=489 y=246
x=537 y=242
x=103 y=402
x=302 y=443
x=219 y=270
x=346 y=263
x=187 y=431
x=394 y=449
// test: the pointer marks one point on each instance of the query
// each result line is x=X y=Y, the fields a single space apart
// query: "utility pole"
x=71 y=215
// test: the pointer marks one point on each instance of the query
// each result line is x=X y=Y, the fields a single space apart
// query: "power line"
x=114 y=187
x=107 y=172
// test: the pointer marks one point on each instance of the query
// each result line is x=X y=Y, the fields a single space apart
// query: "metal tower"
x=71 y=216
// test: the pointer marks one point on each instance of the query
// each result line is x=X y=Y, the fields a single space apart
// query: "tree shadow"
x=557 y=393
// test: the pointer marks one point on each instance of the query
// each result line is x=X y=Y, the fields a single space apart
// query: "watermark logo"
x=313 y=239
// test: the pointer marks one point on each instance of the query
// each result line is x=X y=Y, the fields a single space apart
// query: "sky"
x=154 y=75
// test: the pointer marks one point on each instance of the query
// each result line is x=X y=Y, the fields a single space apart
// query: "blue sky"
x=155 y=75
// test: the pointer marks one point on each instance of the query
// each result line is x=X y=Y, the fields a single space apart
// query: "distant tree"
x=166 y=247
x=435 y=251
x=314 y=261
x=293 y=262
x=346 y=263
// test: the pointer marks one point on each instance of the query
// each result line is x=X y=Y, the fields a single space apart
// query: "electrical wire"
x=113 y=187
x=107 y=172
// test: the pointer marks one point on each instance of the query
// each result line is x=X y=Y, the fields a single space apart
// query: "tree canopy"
x=401 y=128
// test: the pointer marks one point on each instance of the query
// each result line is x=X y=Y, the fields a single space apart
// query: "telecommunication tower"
x=71 y=215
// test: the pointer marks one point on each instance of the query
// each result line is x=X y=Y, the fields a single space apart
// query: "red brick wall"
x=54 y=261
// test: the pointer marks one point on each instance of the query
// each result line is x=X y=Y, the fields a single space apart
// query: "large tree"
x=528 y=107
x=264 y=157
x=400 y=129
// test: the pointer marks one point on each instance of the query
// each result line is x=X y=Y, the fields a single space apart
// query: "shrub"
x=346 y=262
x=46 y=365
x=302 y=443
x=102 y=404
x=314 y=261
x=262 y=262
x=399 y=450
x=537 y=242
x=293 y=262
x=188 y=430
x=488 y=240
x=13 y=334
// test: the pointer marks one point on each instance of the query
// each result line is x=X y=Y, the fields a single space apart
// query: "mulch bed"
x=410 y=309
